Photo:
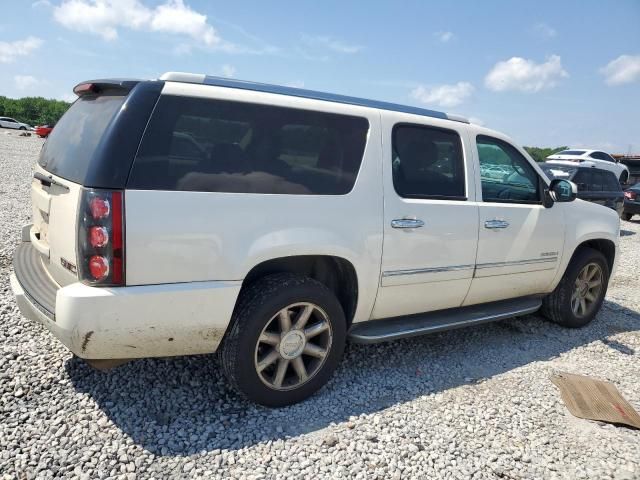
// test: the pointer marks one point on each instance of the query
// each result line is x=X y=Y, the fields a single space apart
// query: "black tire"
x=257 y=305
x=624 y=176
x=23 y=128
x=557 y=305
x=626 y=216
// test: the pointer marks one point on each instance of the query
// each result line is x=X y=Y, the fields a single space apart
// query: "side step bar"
x=375 y=331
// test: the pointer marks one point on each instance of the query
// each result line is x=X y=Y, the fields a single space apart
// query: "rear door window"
x=597 y=181
x=427 y=162
x=71 y=145
x=195 y=144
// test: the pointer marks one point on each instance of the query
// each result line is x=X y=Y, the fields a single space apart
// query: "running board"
x=375 y=331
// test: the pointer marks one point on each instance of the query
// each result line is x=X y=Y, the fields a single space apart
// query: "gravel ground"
x=473 y=403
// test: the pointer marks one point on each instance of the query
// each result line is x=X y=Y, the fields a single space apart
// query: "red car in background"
x=43 y=131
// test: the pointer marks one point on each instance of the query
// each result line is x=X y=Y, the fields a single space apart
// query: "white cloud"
x=624 y=69
x=525 y=75
x=332 y=44
x=10 y=50
x=228 y=71
x=25 y=82
x=443 y=95
x=444 y=37
x=106 y=17
x=175 y=17
x=41 y=4
x=544 y=30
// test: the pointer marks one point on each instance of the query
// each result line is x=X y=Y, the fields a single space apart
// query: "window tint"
x=506 y=175
x=596 y=181
x=582 y=179
x=194 y=144
x=70 y=146
x=427 y=162
x=611 y=182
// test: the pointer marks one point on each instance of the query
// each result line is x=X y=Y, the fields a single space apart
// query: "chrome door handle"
x=407 y=223
x=496 y=224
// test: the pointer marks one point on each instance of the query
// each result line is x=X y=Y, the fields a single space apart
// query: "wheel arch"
x=337 y=273
x=604 y=246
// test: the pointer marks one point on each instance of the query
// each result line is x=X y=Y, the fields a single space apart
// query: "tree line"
x=33 y=110
x=541 y=154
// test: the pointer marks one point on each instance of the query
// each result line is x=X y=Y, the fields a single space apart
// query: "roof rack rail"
x=303 y=93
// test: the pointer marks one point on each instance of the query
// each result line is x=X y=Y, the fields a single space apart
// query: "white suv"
x=194 y=214
x=593 y=158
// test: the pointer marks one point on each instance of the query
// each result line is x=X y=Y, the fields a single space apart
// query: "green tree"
x=541 y=154
x=33 y=110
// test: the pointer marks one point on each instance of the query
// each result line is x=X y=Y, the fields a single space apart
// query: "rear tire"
x=578 y=297
x=624 y=176
x=626 y=216
x=286 y=338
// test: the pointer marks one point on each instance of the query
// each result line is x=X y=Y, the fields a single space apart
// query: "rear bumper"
x=127 y=322
x=631 y=207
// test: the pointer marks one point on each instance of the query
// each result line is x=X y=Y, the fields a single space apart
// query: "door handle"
x=496 y=224
x=407 y=223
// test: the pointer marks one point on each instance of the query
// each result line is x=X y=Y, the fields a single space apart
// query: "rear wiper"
x=48 y=181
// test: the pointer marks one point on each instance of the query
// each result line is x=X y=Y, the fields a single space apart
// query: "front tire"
x=626 y=216
x=22 y=128
x=579 y=295
x=286 y=339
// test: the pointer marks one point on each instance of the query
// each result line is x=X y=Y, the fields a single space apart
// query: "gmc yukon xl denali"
x=194 y=214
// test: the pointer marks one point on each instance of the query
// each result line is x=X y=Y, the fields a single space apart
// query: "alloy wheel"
x=293 y=346
x=587 y=288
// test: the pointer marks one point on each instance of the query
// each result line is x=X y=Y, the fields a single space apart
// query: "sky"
x=547 y=73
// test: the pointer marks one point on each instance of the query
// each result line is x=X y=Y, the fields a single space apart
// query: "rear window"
x=195 y=144
x=70 y=146
x=570 y=152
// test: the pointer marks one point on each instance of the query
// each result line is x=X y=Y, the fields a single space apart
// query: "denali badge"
x=68 y=265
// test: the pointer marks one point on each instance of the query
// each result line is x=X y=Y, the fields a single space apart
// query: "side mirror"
x=562 y=190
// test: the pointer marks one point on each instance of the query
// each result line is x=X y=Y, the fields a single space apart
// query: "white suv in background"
x=195 y=214
x=596 y=158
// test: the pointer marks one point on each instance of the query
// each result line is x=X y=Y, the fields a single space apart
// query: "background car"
x=43 y=131
x=596 y=158
x=594 y=184
x=631 y=202
x=8 y=122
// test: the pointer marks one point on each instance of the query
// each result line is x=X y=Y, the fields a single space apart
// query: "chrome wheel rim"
x=586 y=291
x=293 y=346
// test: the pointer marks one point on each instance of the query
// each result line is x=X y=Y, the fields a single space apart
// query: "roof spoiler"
x=115 y=85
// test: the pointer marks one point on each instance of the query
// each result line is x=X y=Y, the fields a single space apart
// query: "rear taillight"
x=630 y=195
x=101 y=237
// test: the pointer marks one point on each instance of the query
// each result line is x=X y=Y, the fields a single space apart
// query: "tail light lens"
x=101 y=237
x=630 y=195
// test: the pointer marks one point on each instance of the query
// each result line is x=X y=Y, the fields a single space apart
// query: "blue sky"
x=547 y=73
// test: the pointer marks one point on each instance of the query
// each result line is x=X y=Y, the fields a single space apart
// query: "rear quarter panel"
x=174 y=236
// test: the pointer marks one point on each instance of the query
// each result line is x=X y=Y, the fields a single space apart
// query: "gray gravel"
x=473 y=403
